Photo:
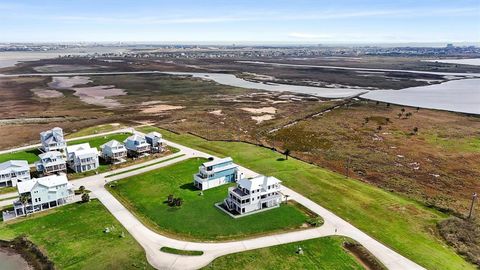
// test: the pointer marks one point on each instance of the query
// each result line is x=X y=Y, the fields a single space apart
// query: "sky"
x=241 y=21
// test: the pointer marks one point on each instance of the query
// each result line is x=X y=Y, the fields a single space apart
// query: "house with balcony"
x=137 y=145
x=113 y=152
x=13 y=172
x=51 y=162
x=156 y=141
x=215 y=173
x=53 y=140
x=82 y=157
x=42 y=193
x=254 y=194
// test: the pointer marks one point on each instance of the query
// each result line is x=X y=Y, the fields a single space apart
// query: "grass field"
x=95 y=130
x=72 y=237
x=197 y=218
x=31 y=155
x=321 y=253
x=405 y=225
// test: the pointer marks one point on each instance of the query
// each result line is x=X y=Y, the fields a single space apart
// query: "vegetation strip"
x=156 y=163
x=181 y=251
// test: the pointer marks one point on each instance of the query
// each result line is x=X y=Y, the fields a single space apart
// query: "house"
x=51 y=162
x=114 y=152
x=13 y=172
x=155 y=140
x=82 y=157
x=215 y=173
x=254 y=194
x=42 y=193
x=53 y=140
x=137 y=145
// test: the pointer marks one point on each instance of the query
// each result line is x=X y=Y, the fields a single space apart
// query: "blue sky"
x=293 y=21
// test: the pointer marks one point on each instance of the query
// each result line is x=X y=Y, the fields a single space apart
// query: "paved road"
x=152 y=241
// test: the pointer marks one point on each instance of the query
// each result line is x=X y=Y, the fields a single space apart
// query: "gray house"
x=82 y=157
x=53 y=140
x=254 y=194
x=51 y=162
x=137 y=145
x=13 y=172
x=155 y=140
x=42 y=193
x=215 y=173
x=114 y=152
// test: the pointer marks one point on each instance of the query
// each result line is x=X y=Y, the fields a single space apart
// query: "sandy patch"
x=64 y=68
x=98 y=95
x=45 y=93
x=68 y=82
x=270 y=110
x=217 y=112
x=262 y=118
x=161 y=108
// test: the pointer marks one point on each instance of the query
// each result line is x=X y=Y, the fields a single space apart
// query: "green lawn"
x=7 y=190
x=321 y=253
x=94 y=130
x=197 y=218
x=405 y=225
x=31 y=155
x=72 y=237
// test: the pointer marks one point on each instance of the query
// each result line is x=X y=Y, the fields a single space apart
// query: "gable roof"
x=53 y=135
x=50 y=154
x=135 y=137
x=112 y=143
x=47 y=181
x=12 y=165
x=80 y=150
x=259 y=182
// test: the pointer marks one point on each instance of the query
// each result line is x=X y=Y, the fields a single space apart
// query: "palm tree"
x=287 y=153
x=24 y=198
x=81 y=189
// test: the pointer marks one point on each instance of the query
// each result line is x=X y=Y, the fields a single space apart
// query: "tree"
x=287 y=153
x=408 y=114
x=85 y=197
x=399 y=115
x=366 y=120
x=170 y=198
x=81 y=189
x=178 y=202
x=403 y=110
x=415 y=130
x=379 y=128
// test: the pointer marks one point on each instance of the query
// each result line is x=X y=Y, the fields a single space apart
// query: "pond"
x=10 y=260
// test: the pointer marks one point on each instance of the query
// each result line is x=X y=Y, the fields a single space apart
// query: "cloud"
x=300 y=35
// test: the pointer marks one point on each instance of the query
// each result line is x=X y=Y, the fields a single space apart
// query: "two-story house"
x=215 y=173
x=51 y=162
x=114 y=152
x=155 y=140
x=13 y=172
x=254 y=194
x=82 y=157
x=42 y=193
x=137 y=145
x=53 y=140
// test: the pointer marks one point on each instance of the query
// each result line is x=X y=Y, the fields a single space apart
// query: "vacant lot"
x=405 y=225
x=72 y=237
x=322 y=253
x=197 y=218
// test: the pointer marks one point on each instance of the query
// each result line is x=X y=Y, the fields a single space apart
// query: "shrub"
x=85 y=197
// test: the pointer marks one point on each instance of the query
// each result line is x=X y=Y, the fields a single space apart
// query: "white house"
x=155 y=140
x=42 y=193
x=215 y=173
x=254 y=194
x=51 y=162
x=137 y=145
x=53 y=140
x=82 y=157
x=113 y=151
x=13 y=171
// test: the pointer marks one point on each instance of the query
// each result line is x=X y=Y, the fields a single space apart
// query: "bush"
x=85 y=197
x=463 y=235
x=315 y=222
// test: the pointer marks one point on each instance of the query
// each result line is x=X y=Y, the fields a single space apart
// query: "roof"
x=217 y=161
x=12 y=164
x=135 y=137
x=47 y=181
x=53 y=135
x=50 y=154
x=259 y=182
x=111 y=144
x=154 y=134
x=78 y=147
x=80 y=150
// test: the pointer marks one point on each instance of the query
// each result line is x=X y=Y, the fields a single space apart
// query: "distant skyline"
x=216 y=21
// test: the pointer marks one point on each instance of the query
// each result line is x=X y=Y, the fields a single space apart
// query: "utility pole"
x=474 y=198
x=347 y=166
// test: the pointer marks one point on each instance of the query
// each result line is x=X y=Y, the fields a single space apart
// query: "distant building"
x=53 y=140
x=114 y=152
x=155 y=140
x=254 y=194
x=82 y=157
x=13 y=172
x=215 y=173
x=51 y=162
x=137 y=145
x=42 y=193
